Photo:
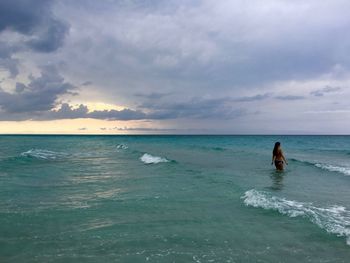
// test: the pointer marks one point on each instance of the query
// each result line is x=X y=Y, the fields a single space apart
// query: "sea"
x=173 y=198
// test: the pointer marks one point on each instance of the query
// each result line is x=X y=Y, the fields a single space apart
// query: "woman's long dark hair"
x=275 y=149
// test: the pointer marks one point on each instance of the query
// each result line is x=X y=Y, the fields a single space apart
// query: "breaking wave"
x=122 y=146
x=329 y=167
x=150 y=159
x=334 y=219
x=334 y=168
x=43 y=154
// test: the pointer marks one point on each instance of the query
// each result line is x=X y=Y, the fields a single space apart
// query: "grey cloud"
x=144 y=129
x=10 y=65
x=22 y=15
x=161 y=130
x=51 y=37
x=86 y=83
x=138 y=52
x=201 y=108
x=197 y=108
x=327 y=89
x=39 y=95
x=34 y=20
x=152 y=95
x=290 y=97
x=217 y=45
x=20 y=87
x=6 y=50
x=67 y=111
x=253 y=98
x=125 y=114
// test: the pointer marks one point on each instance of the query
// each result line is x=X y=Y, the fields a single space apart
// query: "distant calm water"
x=173 y=199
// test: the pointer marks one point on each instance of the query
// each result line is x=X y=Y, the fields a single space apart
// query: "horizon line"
x=168 y=134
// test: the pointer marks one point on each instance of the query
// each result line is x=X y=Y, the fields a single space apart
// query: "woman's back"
x=278 y=154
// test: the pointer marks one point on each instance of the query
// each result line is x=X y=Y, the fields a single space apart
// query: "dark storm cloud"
x=66 y=111
x=8 y=63
x=22 y=15
x=39 y=95
x=325 y=90
x=35 y=21
x=193 y=109
x=50 y=38
x=196 y=108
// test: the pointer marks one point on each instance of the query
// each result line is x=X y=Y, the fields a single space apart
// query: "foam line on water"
x=334 y=168
x=334 y=219
x=150 y=159
x=329 y=167
x=122 y=146
x=43 y=154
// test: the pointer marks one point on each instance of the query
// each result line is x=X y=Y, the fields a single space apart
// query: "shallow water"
x=174 y=199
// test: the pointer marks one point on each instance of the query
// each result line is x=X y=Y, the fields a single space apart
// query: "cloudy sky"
x=175 y=66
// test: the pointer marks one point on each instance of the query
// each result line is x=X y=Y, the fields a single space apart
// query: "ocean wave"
x=328 y=167
x=334 y=168
x=218 y=149
x=334 y=219
x=122 y=146
x=208 y=148
x=43 y=154
x=150 y=159
x=302 y=161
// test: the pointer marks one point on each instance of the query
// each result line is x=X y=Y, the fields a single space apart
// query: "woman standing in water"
x=278 y=157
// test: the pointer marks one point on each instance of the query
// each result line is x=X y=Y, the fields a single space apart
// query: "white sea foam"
x=334 y=219
x=122 y=146
x=329 y=167
x=150 y=159
x=42 y=154
x=334 y=168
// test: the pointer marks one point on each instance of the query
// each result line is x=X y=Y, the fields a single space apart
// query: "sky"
x=175 y=66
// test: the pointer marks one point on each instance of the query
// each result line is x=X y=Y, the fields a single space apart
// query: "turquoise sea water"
x=174 y=199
